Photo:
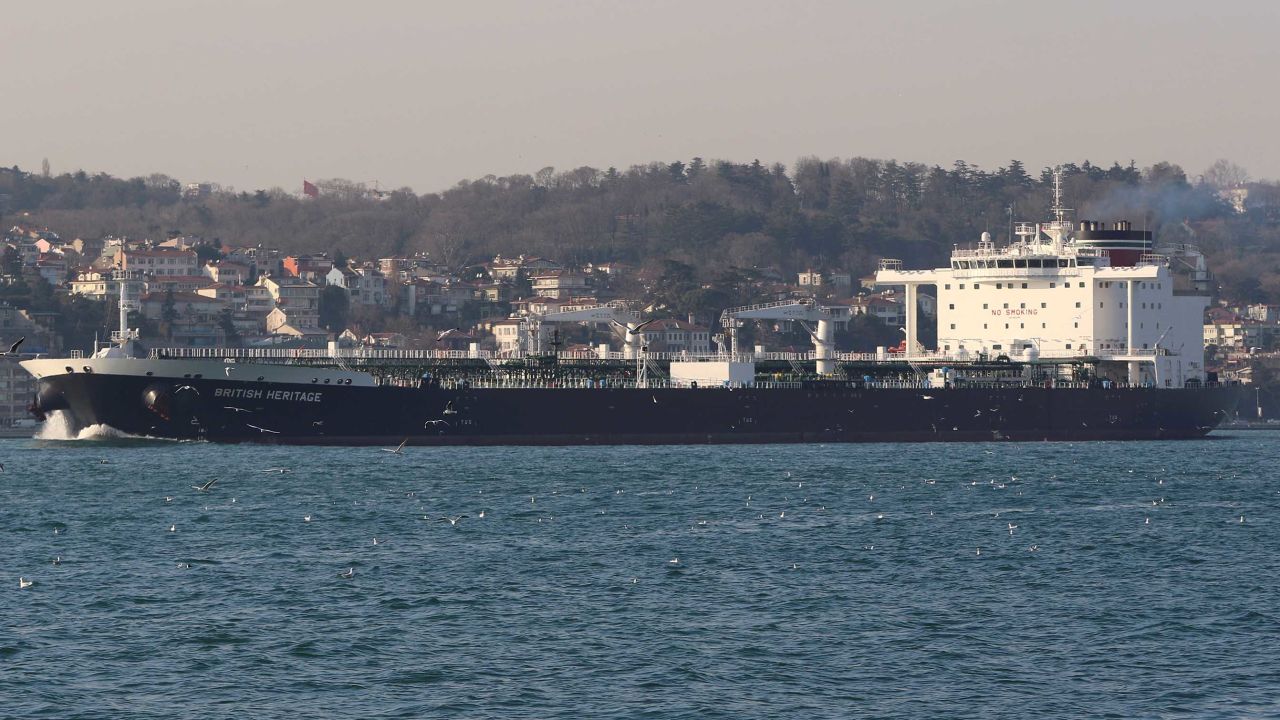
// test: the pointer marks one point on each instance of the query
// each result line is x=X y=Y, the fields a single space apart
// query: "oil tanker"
x=1049 y=337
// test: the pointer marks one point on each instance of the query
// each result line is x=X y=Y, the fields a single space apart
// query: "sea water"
x=927 y=580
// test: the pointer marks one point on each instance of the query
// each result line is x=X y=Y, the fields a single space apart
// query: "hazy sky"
x=259 y=94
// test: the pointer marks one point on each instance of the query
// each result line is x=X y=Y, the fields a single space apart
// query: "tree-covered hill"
x=837 y=214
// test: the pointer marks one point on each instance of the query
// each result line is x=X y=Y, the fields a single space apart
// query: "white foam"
x=57 y=426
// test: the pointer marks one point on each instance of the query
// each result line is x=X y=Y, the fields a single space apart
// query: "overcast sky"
x=256 y=94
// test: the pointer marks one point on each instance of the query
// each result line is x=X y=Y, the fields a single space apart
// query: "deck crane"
x=622 y=320
x=806 y=311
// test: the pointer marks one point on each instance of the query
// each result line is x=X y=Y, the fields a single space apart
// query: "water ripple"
x=811 y=581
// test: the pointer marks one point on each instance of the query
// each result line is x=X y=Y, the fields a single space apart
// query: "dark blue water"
x=812 y=581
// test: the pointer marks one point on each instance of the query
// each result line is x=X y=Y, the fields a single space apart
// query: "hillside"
x=713 y=217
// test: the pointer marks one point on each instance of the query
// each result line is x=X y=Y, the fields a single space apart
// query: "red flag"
x=310 y=190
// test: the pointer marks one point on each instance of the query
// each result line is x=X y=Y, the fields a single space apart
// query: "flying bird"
x=350 y=573
x=452 y=520
x=399 y=449
x=205 y=487
x=262 y=429
x=13 y=349
x=24 y=583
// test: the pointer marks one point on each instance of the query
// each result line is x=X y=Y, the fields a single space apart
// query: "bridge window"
x=961 y=286
x=1024 y=286
x=999 y=286
x=947 y=286
x=953 y=326
x=1077 y=304
x=1044 y=305
x=1053 y=285
x=1020 y=263
x=951 y=306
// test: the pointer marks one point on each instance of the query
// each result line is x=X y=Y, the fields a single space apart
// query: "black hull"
x=227 y=411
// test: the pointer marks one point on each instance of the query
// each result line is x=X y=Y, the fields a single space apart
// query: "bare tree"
x=1223 y=174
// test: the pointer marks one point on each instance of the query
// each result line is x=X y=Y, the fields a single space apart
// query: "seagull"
x=186 y=388
x=979 y=551
x=1012 y=527
x=228 y=370
x=205 y=487
x=233 y=408
x=24 y=583
x=168 y=498
x=184 y=566
x=452 y=520
x=674 y=561
x=173 y=528
x=262 y=429
x=399 y=449
x=1241 y=519
x=926 y=397
x=13 y=349
x=57 y=560
x=375 y=541
x=306 y=518
x=435 y=422
x=350 y=573
x=279 y=470
x=481 y=514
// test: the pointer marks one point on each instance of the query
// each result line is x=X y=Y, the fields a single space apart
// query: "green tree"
x=335 y=307
x=226 y=322
x=168 y=308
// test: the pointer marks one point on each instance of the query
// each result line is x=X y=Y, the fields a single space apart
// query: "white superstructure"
x=1046 y=296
